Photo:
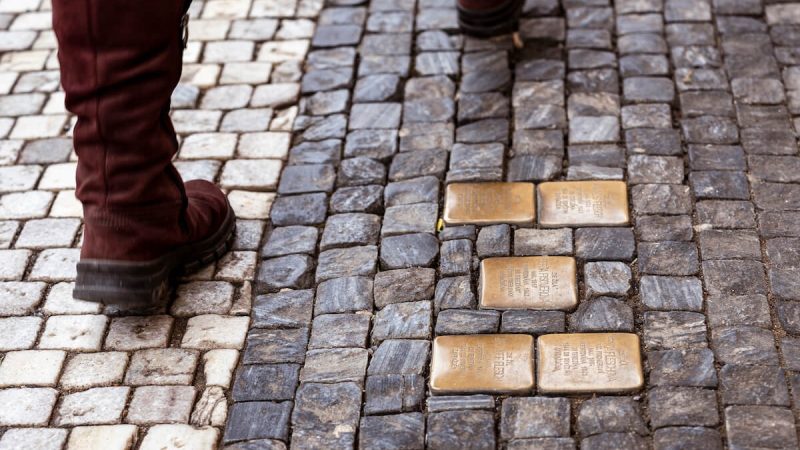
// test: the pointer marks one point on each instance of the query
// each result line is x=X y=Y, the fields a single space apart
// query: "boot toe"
x=208 y=207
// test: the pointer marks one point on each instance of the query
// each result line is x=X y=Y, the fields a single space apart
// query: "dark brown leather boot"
x=487 y=18
x=120 y=61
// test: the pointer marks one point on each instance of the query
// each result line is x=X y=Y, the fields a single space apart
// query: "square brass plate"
x=491 y=363
x=583 y=203
x=490 y=203
x=529 y=282
x=589 y=362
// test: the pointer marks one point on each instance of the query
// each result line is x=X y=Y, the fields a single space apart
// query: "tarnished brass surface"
x=583 y=203
x=491 y=363
x=490 y=203
x=589 y=362
x=529 y=282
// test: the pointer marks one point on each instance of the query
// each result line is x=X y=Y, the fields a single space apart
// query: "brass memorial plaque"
x=489 y=203
x=589 y=362
x=529 y=282
x=583 y=203
x=491 y=363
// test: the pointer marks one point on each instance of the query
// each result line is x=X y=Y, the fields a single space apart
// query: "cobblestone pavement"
x=691 y=102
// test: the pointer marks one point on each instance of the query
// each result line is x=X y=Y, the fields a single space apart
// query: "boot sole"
x=142 y=284
x=487 y=23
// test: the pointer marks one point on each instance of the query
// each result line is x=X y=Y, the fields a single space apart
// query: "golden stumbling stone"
x=583 y=203
x=489 y=363
x=490 y=203
x=589 y=362
x=529 y=282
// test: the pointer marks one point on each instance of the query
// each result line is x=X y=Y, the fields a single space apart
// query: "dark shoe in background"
x=487 y=18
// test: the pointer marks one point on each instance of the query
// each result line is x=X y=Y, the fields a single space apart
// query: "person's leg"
x=487 y=18
x=120 y=61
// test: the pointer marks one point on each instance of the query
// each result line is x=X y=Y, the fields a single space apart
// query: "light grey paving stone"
x=161 y=366
x=160 y=404
x=97 y=406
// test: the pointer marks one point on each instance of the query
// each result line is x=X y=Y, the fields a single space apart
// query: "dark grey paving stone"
x=275 y=346
x=784 y=253
x=257 y=444
x=688 y=33
x=465 y=156
x=346 y=294
x=487 y=130
x=790 y=349
x=258 y=420
x=675 y=438
x=328 y=58
x=641 y=43
x=327 y=407
x=671 y=293
x=360 y=171
x=533 y=242
x=454 y=292
x=783 y=169
x=606 y=278
x=668 y=258
x=328 y=151
x=381 y=64
x=776 y=196
x=682 y=367
x=407 y=320
x=644 y=169
x=410 y=191
x=602 y=314
x=460 y=402
x=400 y=357
x=403 y=285
x=392 y=432
x=343 y=15
x=531 y=117
x=292 y=271
x=287 y=309
x=288 y=240
x=661 y=199
x=599 y=80
x=458 y=232
x=386 y=44
x=533 y=322
x=373 y=116
x=405 y=219
x=589 y=38
x=729 y=244
x=436 y=40
x=250 y=385
x=643 y=65
x=376 y=88
x=418 y=164
x=706 y=103
x=408 y=250
x=455 y=257
x=768 y=141
x=336 y=35
x=534 y=168
x=436 y=63
x=744 y=345
x=350 y=229
x=394 y=393
x=375 y=144
x=674 y=330
x=720 y=185
x=533 y=417
x=679 y=406
x=330 y=102
x=326 y=79
x=612 y=441
x=467 y=321
x=335 y=365
x=710 y=130
x=308 y=209
x=487 y=105
x=347 y=262
x=428 y=110
x=753 y=385
x=610 y=415
x=323 y=437
x=655 y=141
x=760 y=426
x=459 y=429
x=366 y=199
x=339 y=331
x=421 y=88
x=789 y=316
x=604 y=244
x=730 y=310
x=726 y=214
x=494 y=240
x=734 y=277
x=664 y=228
x=542 y=142
x=779 y=223
x=648 y=89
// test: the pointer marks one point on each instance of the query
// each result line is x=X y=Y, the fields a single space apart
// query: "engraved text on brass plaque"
x=589 y=362
x=489 y=203
x=492 y=363
x=529 y=282
x=582 y=203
